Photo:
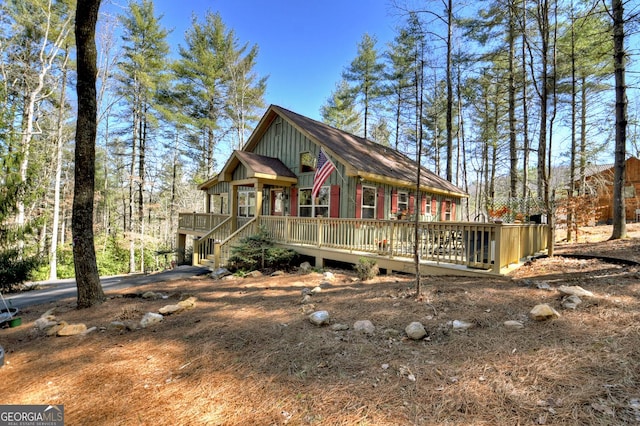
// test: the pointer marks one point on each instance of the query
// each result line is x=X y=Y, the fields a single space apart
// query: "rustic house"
x=600 y=183
x=368 y=203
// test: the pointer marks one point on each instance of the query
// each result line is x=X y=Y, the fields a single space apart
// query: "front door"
x=277 y=202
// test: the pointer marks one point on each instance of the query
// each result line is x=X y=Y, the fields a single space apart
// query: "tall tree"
x=339 y=110
x=84 y=256
x=143 y=75
x=366 y=73
x=619 y=57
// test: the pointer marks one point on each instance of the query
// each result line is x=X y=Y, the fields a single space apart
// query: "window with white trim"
x=403 y=203
x=369 y=202
x=307 y=162
x=309 y=207
x=447 y=210
x=246 y=203
x=427 y=208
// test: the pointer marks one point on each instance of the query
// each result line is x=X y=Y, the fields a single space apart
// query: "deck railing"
x=200 y=222
x=477 y=245
x=490 y=246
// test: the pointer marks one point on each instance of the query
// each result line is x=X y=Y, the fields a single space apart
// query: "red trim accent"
x=380 y=203
x=434 y=207
x=412 y=203
x=358 y=214
x=293 y=202
x=453 y=211
x=423 y=204
x=334 y=200
x=394 y=201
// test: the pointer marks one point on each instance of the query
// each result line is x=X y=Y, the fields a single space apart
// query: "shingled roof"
x=362 y=157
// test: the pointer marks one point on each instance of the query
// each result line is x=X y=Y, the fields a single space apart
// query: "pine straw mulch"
x=248 y=355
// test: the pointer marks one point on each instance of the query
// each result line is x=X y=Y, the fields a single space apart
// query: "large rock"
x=254 y=274
x=305 y=268
x=543 y=312
x=319 y=317
x=45 y=323
x=514 y=325
x=72 y=330
x=574 y=290
x=415 y=330
x=220 y=273
x=328 y=276
x=364 y=326
x=461 y=325
x=150 y=318
x=571 y=302
x=188 y=303
x=170 y=309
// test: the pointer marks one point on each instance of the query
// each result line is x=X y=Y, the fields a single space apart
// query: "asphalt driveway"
x=61 y=289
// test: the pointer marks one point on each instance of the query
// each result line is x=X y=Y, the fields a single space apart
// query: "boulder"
x=150 y=318
x=278 y=273
x=220 y=273
x=543 y=312
x=305 y=268
x=316 y=290
x=364 y=326
x=319 y=317
x=306 y=299
x=52 y=331
x=254 y=274
x=170 y=309
x=328 y=276
x=151 y=295
x=415 y=331
x=571 y=302
x=45 y=323
x=574 y=290
x=339 y=327
x=72 y=330
x=188 y=303
x=461 y=325
x=513 y=325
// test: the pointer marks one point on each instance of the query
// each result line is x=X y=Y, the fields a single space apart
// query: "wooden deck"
x=445 y=248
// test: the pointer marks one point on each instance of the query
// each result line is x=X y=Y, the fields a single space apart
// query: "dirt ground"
x=248 y=355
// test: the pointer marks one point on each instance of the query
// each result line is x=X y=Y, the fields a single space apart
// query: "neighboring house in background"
x=600 y=183
x=274 y=173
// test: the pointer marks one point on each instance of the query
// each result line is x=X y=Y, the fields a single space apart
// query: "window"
x=447 y=210
x=246 y=203
x=403 y=203
x=368 y=202
x=314 y=208
x=427 y=208
x=307 y=162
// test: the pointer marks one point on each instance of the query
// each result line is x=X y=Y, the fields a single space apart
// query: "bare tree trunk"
x=84 y=255
x=525 y=116
x=513 y=143
x=53 y=250
x=449 y=170
x=619 y=214
x=572 y=164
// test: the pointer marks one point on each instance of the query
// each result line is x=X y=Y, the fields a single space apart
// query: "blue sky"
x=303 y=45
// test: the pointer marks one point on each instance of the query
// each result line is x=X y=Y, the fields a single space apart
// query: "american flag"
x=323 y=170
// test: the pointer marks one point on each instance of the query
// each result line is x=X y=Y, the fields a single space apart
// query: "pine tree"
x=339 y=110
x=366 y=74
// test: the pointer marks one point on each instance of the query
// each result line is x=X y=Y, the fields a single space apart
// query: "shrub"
x=14 y=270
x=258 y=252
x=366 y=269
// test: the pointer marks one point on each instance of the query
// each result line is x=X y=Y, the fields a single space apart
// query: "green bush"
x=258 y=252
x=366 y=269
x=14 y=270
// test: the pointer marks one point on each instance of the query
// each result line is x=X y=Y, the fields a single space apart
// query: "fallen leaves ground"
x=248 y=355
